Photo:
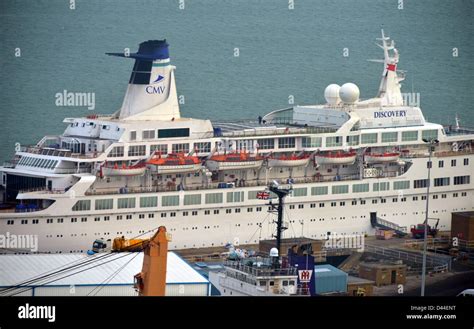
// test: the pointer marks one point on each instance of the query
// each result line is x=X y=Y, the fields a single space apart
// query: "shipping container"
x=330 y=279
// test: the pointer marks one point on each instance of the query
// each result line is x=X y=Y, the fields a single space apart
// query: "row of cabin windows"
x=453 y=163
x=269 y=143
x=141 y=150
x=334 y=141
x=238 y=210
x=233 y=197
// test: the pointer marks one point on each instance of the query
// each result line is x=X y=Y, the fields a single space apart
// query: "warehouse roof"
x=18 y=268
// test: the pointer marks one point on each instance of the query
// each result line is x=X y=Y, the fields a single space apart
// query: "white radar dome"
x=349 y=93
x=274 y=252
x=331 y=94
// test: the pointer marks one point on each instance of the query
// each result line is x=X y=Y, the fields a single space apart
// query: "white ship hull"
x=240 y=226
x=79 y=207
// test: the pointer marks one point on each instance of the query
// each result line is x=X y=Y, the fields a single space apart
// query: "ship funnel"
x=151 y=92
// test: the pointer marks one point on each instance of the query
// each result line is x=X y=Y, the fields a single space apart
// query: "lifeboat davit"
x=382 y=157
x=335 y=158
x=116 y=170
x=288 y=161
x=175 y=163
x=234 y=161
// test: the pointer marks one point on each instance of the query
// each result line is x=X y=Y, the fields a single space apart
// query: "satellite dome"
x=331 y=94
x=349 y=93
x=274 y=252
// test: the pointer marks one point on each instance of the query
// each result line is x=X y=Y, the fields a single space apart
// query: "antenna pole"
x=281 y=194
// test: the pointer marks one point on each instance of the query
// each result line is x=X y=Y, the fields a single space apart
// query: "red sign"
x=305 y=275
x=391 y=67
x=263 y=195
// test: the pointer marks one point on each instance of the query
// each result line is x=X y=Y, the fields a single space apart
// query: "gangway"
x=387 y=225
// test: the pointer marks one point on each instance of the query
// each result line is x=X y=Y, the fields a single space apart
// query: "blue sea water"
x=282 y=52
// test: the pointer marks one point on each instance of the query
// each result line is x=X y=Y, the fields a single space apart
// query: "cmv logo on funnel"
x=156 y=89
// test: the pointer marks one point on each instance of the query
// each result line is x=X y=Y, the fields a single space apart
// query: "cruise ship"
x=144 y=166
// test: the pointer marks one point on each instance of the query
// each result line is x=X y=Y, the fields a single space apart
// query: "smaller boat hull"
x=382 y=157
x=123 y=171
x=335 y=159
x=287 y=162
x=172 y=169
x=233 y=165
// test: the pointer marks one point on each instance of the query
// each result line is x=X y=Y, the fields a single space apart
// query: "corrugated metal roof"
x=18 y=268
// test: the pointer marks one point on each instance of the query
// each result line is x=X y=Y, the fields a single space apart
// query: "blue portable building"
x=329 y=279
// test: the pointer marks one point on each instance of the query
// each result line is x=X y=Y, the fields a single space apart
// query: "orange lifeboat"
x=175 y=163
x=288 y=160
x=234 y=161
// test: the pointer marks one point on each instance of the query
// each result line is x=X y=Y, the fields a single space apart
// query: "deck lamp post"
x=431 y=145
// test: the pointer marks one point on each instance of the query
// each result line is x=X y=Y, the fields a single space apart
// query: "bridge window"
x=409 y=136
x=133 y=135
x=466 y=161
x=170 y=133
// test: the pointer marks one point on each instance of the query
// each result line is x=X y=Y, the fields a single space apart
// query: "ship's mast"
x=281 y=193
x=389 y=90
